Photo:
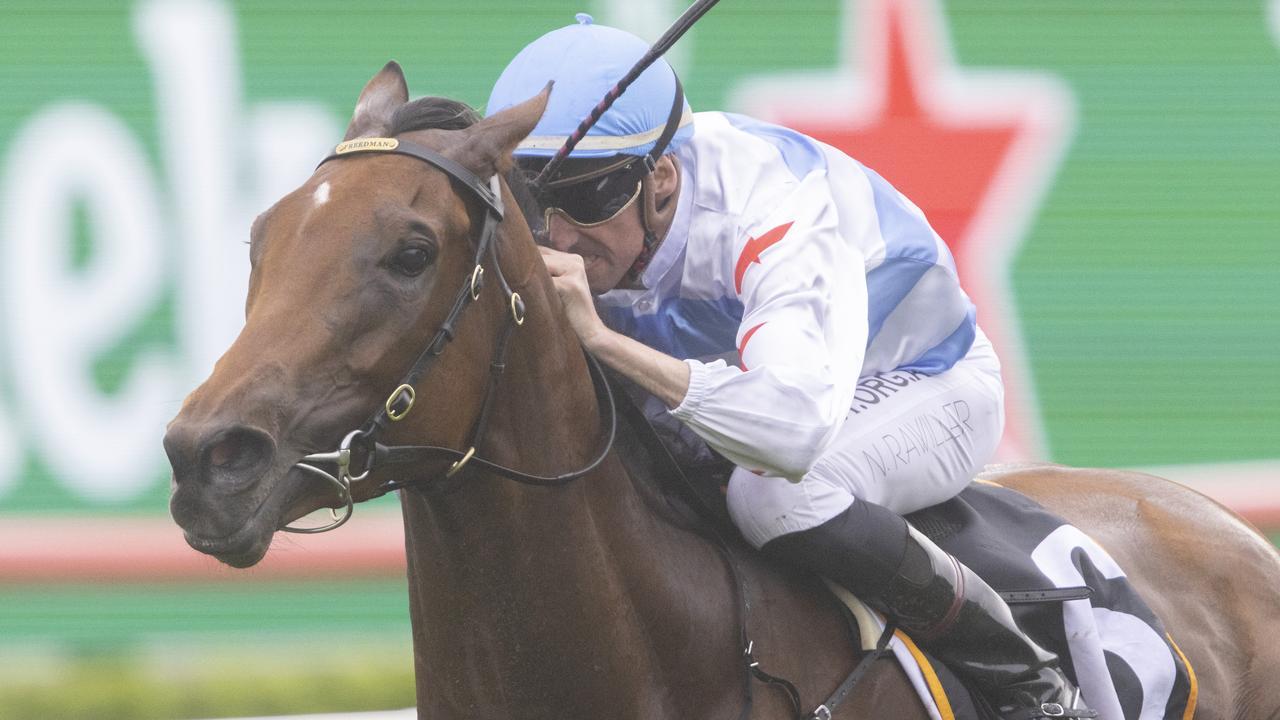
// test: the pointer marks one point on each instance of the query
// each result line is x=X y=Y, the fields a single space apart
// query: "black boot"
x=942 y=604
x=963 y=622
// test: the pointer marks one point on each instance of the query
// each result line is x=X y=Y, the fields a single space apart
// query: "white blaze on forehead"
x=321 y=195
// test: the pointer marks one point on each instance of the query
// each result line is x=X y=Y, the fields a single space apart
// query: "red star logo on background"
x=974 y=150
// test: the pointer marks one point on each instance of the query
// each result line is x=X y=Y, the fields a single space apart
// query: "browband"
x=488 y=193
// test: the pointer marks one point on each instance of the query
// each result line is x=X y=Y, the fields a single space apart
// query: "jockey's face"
x=609 y=248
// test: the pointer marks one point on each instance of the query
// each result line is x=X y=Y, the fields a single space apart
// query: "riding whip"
x=664 y=43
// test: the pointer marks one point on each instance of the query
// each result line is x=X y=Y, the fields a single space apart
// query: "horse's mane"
x=428 y=113
x=440 y=113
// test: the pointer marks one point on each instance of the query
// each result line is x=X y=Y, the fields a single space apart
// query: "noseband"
x=401 y=400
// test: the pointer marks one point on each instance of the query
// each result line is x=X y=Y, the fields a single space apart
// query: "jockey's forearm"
x=659 y=373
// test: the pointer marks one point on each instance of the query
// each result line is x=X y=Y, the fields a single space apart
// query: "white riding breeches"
x=910 y=441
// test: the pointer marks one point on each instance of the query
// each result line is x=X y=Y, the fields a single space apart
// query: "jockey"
x=799 y=315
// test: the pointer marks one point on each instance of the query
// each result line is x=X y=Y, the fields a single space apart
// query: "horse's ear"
x=379 y=99
x=487 y=146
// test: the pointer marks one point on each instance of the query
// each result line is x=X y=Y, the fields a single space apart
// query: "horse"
x=582 y=599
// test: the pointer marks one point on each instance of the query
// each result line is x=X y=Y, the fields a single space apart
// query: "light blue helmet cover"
x=586 y=60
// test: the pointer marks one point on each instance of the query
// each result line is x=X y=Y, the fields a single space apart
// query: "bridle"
x=363 y=440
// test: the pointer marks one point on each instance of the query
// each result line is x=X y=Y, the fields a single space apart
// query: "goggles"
x=592 y=191
x=595 y=200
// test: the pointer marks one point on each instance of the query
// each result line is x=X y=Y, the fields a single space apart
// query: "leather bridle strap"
x=412 y=454
x=401 y=400
x=485 y=192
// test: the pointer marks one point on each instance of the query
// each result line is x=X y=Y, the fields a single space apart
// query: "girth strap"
x=826 y=709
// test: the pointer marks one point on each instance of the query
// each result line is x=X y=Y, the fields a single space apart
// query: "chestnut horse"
x=580 y=600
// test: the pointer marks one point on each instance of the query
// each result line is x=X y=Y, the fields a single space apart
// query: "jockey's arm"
x=802 y=338
x=658 y=373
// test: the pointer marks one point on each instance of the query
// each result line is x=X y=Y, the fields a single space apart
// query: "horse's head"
x=352 y=273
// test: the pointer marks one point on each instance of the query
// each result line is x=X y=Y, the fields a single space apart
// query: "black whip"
x=664 y=43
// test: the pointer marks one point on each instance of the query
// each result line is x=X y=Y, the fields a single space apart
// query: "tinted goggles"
x=595 y=200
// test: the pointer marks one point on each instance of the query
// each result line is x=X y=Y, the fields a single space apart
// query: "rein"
x=401 y=400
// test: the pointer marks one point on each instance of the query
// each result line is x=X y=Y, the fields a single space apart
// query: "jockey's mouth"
x=589 y=259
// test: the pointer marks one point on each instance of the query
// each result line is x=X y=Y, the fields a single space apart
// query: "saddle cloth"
x=1111 y=644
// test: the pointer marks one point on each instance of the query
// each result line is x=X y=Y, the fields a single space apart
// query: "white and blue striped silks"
x=790 y=271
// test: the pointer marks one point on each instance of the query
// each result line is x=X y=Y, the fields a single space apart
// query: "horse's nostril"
x=238 y=451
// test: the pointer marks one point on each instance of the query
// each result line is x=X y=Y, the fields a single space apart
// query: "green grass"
x=242 y=647
x=111 y=617
x=108 y=688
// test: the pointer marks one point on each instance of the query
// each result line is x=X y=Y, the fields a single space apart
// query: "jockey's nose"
x=229 y=457
x=561 y=235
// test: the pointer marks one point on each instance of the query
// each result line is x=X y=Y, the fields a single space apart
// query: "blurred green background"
x=138 y=139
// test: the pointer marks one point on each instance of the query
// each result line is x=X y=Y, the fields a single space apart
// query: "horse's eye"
x=411 y=261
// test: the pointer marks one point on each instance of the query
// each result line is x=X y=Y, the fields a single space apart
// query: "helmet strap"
x=648 y=201
x=648 y=218
x=670 y=129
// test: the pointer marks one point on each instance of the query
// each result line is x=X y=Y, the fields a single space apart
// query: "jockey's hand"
x=664 y=376
x=570 y=278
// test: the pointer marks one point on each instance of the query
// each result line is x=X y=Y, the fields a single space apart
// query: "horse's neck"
x=537 y=600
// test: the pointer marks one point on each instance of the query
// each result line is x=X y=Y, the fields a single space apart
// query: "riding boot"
x=942 y=604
